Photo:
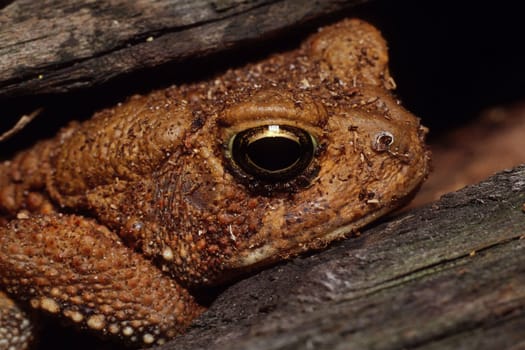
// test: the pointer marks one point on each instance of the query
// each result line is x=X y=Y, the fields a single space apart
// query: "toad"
x=113 y=222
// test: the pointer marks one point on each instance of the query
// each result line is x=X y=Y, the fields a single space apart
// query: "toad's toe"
x=16 y=330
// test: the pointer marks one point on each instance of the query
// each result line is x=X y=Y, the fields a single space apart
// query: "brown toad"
x=111 y=222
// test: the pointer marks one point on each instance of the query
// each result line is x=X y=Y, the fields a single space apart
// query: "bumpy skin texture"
x=111 y=221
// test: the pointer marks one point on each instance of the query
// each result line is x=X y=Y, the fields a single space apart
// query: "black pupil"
x=274 y=153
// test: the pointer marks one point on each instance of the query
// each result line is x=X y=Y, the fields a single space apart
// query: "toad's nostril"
x=382 y=141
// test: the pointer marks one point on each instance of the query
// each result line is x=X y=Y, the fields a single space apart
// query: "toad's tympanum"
x=110 y=224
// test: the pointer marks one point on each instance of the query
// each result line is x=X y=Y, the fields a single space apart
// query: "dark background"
x=452 y=59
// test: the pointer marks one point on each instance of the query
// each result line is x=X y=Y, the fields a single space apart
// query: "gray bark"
x=55 y=46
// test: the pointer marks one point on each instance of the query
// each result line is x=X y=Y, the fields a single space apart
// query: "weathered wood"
x=59 y=45
x=447 y=276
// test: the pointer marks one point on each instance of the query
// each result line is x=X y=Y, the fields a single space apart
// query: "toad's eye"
x=272 y=152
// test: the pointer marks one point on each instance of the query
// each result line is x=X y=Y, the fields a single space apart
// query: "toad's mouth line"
x=275 y=251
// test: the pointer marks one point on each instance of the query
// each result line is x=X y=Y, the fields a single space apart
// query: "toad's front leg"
x=72 y=267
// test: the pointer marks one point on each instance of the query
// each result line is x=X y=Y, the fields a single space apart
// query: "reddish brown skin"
x=111 y=221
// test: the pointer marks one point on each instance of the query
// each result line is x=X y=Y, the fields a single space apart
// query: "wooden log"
x=450 y=275
x=61 y=45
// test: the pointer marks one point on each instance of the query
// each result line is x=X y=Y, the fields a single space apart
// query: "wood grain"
x=56 y=46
